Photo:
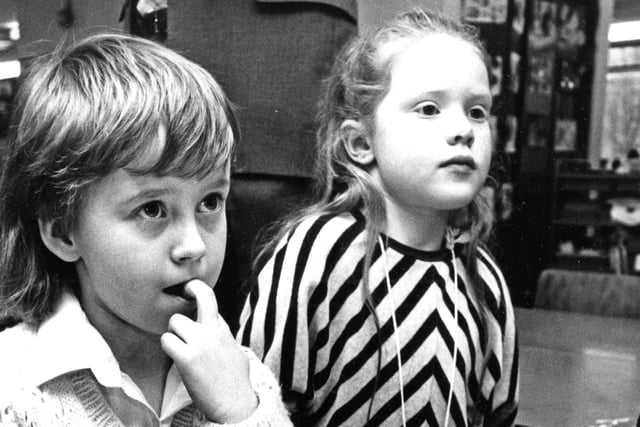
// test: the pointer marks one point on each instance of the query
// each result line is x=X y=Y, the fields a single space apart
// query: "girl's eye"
x=152 y=210
x=428 y=109
x=478 y=113
x=211 y=203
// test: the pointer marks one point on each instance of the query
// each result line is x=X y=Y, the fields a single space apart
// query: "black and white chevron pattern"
x=307 y=319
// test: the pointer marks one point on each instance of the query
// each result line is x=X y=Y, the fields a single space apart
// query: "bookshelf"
x=595 y=221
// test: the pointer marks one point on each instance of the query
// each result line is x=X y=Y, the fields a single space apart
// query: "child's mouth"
x=177 y=290
x=460 y=161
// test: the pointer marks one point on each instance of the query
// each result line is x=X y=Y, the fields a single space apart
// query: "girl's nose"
x=460 y=132
x=189 y=246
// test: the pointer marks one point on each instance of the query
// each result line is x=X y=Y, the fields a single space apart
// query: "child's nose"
x=460 y=131
x=189 y=246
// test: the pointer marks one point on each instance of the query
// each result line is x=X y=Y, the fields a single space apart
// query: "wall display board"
x=7 y=89
x=545 y=52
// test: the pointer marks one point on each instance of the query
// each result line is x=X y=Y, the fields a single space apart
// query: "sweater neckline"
x=440 y=254
x=93 y=401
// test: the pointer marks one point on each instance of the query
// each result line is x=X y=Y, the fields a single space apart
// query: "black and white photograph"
x=319 y=213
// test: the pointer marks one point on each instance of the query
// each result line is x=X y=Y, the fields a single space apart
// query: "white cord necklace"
x=450 y=242
x=395 y=329
x=451 y=245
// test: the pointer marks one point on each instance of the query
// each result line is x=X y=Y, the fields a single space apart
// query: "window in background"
x=621 y=128
x=9 y=64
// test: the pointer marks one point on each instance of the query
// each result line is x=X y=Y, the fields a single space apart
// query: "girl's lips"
x=460 y=161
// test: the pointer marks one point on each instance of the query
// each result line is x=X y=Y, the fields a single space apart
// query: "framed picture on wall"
x=511 y=122
x=495 y=77
x=7 y=88
x=485 y=11
x=538 y=131
x=543 y=33
x=514 y=72
x=572 y=30
x=542 y=36
x=565 y=135
x=517 y=22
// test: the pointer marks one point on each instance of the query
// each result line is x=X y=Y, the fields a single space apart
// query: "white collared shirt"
x=67 y=342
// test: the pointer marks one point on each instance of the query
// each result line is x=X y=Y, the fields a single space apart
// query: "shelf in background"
x=582 y=262
x=581 y=218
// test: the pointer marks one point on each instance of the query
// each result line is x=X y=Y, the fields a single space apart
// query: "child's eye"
x=152 y=210
x=478 y=113
x=211 y=203
x=428 y=109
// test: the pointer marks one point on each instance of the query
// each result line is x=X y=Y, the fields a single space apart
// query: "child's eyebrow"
x=149 y=194
x=482 y=97
x=435 y=93
x=426 y=95
x=221 y=184
x=479 y=96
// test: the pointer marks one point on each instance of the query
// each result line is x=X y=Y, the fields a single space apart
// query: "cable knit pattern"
x=75 y=399
x=81 y=401
x=29 y=408
x=63 y=373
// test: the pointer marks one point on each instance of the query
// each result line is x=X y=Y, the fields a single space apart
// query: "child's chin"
x=456 y=203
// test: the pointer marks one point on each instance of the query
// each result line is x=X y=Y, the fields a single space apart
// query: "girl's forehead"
x=437 y=67
x=436 y=51
x=435 y=46
x=431 y=44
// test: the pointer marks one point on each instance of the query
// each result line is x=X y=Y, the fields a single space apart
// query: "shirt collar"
x=68 y=342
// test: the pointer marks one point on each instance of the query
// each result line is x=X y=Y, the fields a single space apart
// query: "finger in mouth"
x=177 y=290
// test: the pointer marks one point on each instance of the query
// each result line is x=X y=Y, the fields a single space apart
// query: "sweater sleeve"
x=284 y=318
x=505 y=395
x=505 y=406
x=270 y=411
x=274 y=321
x=29 y=408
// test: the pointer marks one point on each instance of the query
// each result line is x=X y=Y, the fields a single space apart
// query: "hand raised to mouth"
x=211 y=363
x=177 y=290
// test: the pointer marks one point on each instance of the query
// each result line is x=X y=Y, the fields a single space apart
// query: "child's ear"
x=356 y=142
x=57 y=241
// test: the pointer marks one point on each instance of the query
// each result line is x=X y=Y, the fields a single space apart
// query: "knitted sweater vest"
x=82 y=403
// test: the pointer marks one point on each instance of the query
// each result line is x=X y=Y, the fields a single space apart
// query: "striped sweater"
x=307 y=319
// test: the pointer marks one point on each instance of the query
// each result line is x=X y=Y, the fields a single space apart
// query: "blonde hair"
x=81 y=113
x=359 y=80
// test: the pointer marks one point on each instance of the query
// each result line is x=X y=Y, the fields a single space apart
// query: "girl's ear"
x=356 y=142
x=57 y=241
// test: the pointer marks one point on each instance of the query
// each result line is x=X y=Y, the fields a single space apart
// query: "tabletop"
x=577 y=369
